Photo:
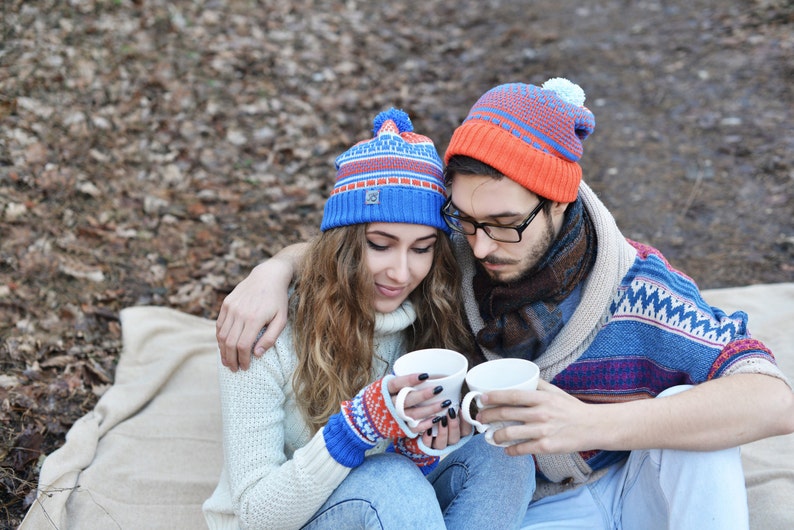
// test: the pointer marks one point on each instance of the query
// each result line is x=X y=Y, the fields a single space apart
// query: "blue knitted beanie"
x=395 y=177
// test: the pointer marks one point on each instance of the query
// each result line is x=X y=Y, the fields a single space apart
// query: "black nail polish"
x=437 y=390
x=453 y=414
x=430 y=431
x=444 y=421
x=422 y=377
x=446 y=403
x=438 y=419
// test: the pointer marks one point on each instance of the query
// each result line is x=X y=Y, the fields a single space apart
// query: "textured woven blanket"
x=150 y=452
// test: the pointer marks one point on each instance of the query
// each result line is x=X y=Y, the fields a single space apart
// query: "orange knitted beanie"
x=533 y=135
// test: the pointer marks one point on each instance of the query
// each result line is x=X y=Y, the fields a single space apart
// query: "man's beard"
x=525 y=265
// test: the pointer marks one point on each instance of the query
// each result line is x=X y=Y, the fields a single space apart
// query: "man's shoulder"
x=651 y=266
x=652 y=285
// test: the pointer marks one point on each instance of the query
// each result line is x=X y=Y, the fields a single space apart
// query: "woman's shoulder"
x=275 y=365
x=282 y=353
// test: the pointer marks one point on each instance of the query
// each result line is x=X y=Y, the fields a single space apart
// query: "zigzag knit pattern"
x=659 y=333
x=640 y=327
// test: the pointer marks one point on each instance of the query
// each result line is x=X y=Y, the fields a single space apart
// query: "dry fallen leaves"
x=151 y=152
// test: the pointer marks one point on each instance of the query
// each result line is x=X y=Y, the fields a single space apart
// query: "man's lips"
x=495 y=263
x=492 y=266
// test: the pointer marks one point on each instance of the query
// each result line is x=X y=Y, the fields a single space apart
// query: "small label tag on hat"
x=372 y=197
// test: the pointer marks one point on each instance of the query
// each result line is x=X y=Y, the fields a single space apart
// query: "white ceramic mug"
x=501 y=374
x=446 y=368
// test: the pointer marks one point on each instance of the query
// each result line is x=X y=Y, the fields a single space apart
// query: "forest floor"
x=153 y=151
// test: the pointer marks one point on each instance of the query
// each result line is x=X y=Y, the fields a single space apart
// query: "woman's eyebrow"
x=396 y=238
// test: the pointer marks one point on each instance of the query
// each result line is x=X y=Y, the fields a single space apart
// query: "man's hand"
x=696 y=420
x=260 y=300
x=552 y=421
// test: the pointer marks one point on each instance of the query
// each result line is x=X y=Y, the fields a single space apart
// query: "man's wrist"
x=277 y=268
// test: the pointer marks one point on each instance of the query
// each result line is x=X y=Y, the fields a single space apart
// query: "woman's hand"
x=449 y=430
x=447 y=434
x=416 y=404
x=437 y=432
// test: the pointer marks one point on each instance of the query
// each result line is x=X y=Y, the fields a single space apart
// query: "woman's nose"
x=398 y=270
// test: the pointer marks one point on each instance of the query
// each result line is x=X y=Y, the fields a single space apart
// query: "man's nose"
x=481 y=245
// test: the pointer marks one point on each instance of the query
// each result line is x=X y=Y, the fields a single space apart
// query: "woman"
x=380 y=280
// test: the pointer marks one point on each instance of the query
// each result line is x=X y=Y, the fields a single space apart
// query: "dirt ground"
x=153 y=151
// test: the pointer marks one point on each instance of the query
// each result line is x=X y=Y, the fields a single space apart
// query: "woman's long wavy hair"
x=334 y=319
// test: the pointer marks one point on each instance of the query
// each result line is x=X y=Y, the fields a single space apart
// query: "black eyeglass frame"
x=519 y=228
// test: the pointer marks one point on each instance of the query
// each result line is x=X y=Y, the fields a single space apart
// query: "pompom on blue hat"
x=394 y=177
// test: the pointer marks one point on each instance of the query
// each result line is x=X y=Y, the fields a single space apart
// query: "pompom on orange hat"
x=533 y=135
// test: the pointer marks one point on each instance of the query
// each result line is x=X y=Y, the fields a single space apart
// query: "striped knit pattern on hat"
x=395 y=177
x=533 y=135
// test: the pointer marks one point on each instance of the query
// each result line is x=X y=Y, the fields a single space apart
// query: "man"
x=548 y=276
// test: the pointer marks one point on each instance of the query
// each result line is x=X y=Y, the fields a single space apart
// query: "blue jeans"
x=386 y=492
x=477 y=486
x=654 y=489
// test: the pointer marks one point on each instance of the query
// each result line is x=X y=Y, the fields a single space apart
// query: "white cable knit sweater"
x=275 y=474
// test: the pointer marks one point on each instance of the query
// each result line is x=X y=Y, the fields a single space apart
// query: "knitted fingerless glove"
x=426 y=458
x=363 y=421
x=409 y=447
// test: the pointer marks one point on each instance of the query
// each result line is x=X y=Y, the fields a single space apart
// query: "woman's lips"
x=389 y=292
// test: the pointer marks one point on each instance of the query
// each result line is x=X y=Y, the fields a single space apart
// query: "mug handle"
x=399 y=404
x=465 y=411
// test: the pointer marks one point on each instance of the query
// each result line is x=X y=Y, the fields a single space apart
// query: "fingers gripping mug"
x=501 y=374
x=446 y=368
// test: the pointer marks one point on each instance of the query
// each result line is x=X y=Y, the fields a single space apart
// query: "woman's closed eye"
x=375 y=246
x=424 y=249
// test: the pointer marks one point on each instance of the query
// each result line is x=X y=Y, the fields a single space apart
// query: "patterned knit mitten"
x=410 y=448
x=363 y=421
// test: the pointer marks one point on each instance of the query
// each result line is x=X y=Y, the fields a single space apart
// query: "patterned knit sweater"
x=275 y=474
x=640 y=327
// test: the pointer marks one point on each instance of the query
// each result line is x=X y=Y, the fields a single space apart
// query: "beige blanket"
x=150 y=452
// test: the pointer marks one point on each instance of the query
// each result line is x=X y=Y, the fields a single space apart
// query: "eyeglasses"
x=502 y=233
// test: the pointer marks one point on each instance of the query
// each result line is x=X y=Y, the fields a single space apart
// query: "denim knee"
x=479 y=457
x=386 y=491
x=392 y=477
x=481 y=486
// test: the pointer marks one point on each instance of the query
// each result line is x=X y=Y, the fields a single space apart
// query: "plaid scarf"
x=523 y=317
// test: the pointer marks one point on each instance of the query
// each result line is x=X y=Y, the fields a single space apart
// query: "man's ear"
x=558 y=208
x=557 y=215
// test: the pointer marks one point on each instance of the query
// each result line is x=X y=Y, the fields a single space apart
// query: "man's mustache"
x=493 y=260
